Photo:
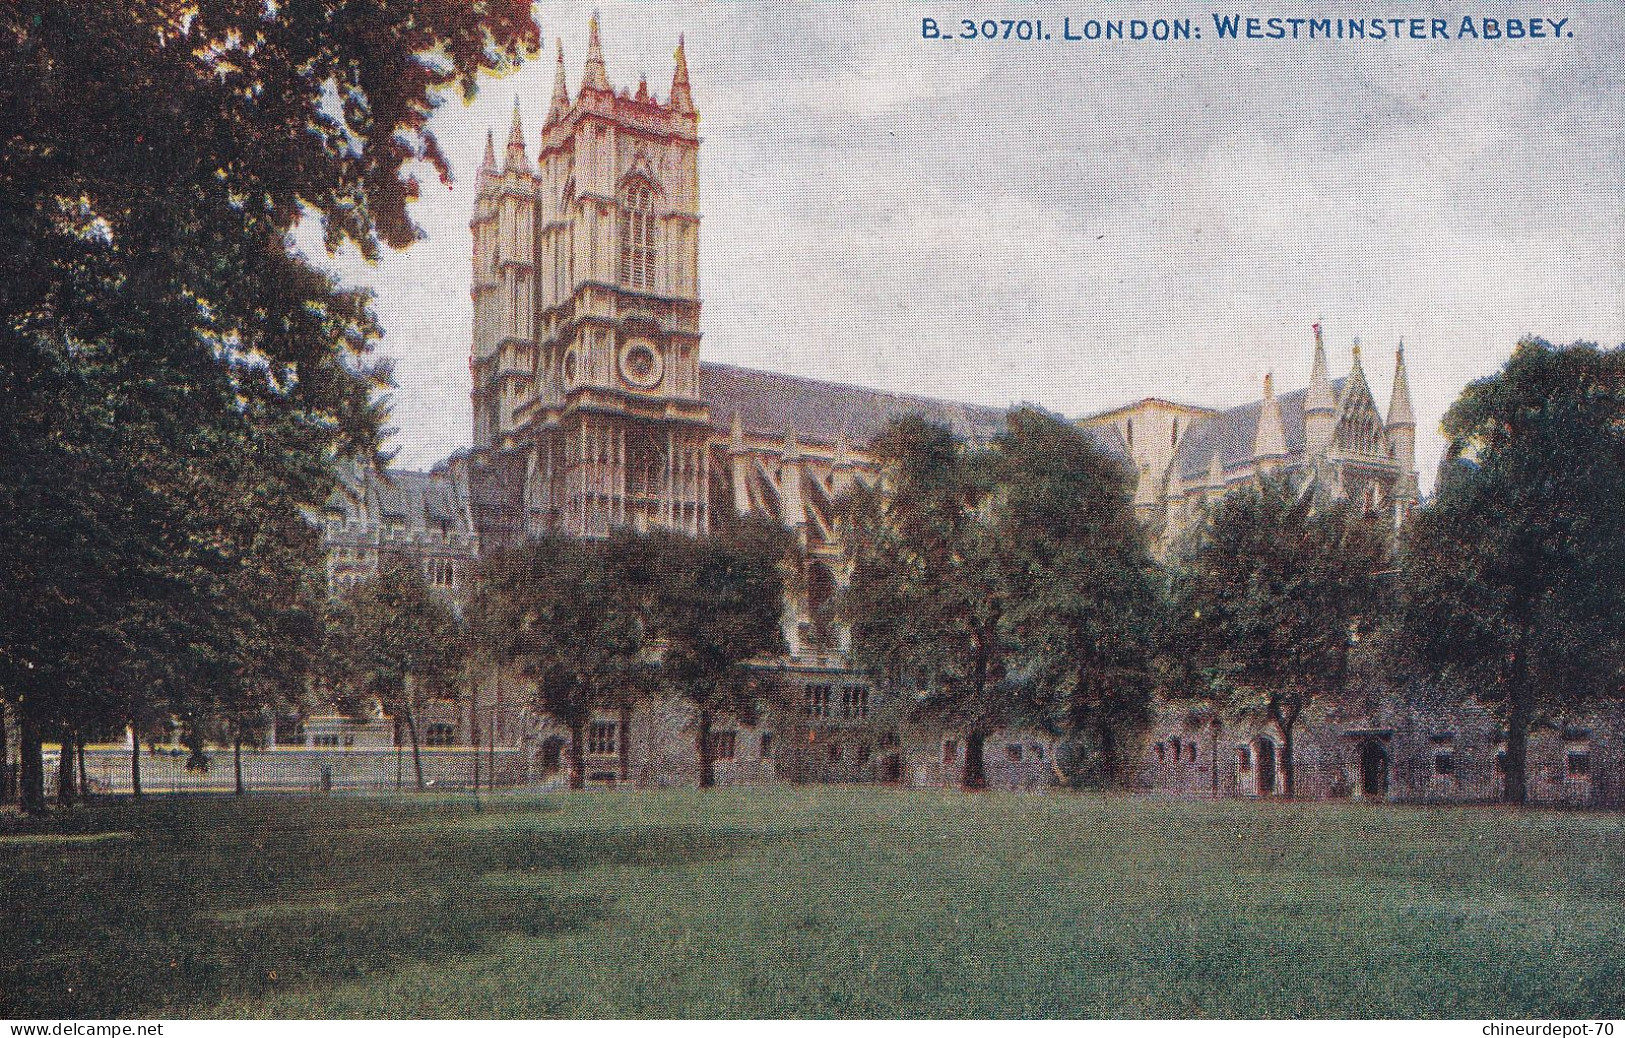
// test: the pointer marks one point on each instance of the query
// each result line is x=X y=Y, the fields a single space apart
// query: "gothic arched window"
x=638 y=236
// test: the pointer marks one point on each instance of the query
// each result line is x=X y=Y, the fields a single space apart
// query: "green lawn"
x=809 y=902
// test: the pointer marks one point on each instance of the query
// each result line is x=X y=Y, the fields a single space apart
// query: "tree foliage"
x=1514 y=574
x=716 y=605
x=1270 y=603
x=177 y=380
x=1002 y=584
x=402 y=644
x=927 y=597
x=562 y=615
x=1090 y=603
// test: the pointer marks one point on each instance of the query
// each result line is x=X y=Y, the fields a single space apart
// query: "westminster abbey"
x=593 y=409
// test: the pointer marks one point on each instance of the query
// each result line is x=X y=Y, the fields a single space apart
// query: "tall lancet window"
x=638 y=237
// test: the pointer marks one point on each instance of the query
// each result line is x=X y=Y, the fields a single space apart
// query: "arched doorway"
x=1373 y=770
x=1266 y=767
x=552 y=752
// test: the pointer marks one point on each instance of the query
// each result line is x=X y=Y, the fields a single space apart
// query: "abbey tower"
x=585 y=357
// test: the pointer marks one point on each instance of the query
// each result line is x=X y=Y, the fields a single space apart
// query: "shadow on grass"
x=214 y=900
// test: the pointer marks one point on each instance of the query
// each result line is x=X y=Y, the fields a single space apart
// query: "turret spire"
x=1269 y=439
x=1399 y=404
x=489 y=163
x=681 y=99
x=561 y=92
x=516 y=158
x=1319 y=402
x=594 y=77
x=1319 y=397
x=1356 y=371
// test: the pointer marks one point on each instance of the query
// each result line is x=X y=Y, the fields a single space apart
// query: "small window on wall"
x=1579 y=764
x=1444 y=762
x=1190 y=752
x=818 y=700
x=1013 y=752
x=766 y=750
x=854 y=702
x=1162 y=751
x=601 y=738
x=1244 y=758
x=439 y=735
x=1037 y=750
x=722 y=745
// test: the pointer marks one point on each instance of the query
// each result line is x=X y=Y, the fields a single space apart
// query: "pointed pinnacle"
x=516 y=133
x=516 y=158
x=594 y=77
x=1319 y=396
x=490 y=160
x=1399 y=403
x=1269 y=437
x=681 y=100
x=561 y=92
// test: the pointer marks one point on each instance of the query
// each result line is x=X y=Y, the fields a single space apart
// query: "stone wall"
x=294 y=770
x=1411 y=753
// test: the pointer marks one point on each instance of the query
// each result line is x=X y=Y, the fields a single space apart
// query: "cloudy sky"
x=1082 y=225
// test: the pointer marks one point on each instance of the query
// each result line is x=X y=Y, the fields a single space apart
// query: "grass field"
x=809 y=902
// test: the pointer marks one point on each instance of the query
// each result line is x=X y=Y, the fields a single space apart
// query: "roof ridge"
x=912 y=397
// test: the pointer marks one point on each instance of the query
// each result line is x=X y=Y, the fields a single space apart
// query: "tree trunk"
x=1515 y=779
x=474 y=738
x=1106 y=736
x=5 y=759
x=1213 y=761
x=417 y=755
x=624 y=743
x=578 y=755
x=237 y=760
x=975 y=774
x=33 y=765
x=79 y=752
x=708 y=766
x=1289 y=785
x=64 y=773
x=135 y=763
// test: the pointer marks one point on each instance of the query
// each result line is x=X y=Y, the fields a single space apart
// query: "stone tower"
x=586 y=351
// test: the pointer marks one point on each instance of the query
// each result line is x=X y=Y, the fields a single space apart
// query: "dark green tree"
x=1270 y=602
x=403 y=645
x=1513 y=576
x=560 y=613
x=717 y=605
x=155 y=318
x=1088 y=604
x=928 y=598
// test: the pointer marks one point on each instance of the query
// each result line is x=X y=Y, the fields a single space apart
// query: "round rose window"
x=640 y=364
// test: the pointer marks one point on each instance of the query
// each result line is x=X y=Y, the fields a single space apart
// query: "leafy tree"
x=1270 y=601
x=559 y=612
x=155 y=319
x=1088 y=604
x=402 y=644
x=1513 y=576
x=717 y=604
x=928 y=597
